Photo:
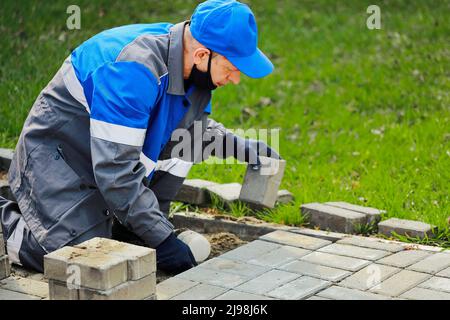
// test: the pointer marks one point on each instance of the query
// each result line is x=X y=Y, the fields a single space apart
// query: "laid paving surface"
x=293 y=266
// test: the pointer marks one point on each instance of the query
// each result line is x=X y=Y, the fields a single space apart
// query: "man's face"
x=222 y=70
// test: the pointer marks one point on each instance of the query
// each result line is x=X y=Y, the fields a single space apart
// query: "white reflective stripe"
x=148 y=163
x=175 y=166
x=117 y=133
x=72 y=83
x=14 y=242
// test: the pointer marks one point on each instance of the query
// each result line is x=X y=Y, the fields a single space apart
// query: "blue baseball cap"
x=229 y=28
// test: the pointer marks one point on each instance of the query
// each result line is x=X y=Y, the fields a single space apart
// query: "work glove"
x=249 y=150
x=174 y=256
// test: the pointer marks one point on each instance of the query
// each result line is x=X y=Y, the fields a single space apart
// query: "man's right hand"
x=174 y=256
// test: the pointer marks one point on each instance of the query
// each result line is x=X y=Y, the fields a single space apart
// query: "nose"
x=235 y=77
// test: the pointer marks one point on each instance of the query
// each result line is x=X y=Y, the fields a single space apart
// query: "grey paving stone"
x=321 y=234
x=437 y=283
x=332 y=218
x=279 y=256
x=371 y=243
x=194 y=191
x=141 y=261
x=238 y=295
x=405 y=258
x=340 y=293
x=315 y=270
x=295 y=240
x=58 y=290
x=432 y=264
x=267 y=282
x=5 y=158
x=418 y=293
x=200 y=292
x=235 y=267
x=131 y=290
x=404 y=227
x=227 y=192
x=300 y=288
x=284 y=196
x=400 y=283
x=260 y=187
x=373 y=215
x=26 y=286
x=97 y=269
x=369 y=277
x=335 y=261
x=445 y=273
x=5 y=267
x=354 y=251
x=251 y=250
x=5 y=190
x=13 y=295
x=172 y=287
x=212 y=277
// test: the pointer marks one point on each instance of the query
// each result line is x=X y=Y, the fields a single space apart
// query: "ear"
x=200 y=54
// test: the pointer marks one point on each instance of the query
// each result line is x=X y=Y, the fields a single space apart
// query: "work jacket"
x=99 y=131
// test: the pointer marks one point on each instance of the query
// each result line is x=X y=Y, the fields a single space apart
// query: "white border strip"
x=72 y=83
x=14 y=242
x=117 y=133
x=148 y=163
x=175 y=166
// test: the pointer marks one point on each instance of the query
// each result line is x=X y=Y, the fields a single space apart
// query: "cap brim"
x=255 y=66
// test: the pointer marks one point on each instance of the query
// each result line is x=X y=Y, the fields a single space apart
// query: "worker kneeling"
x=96 y=148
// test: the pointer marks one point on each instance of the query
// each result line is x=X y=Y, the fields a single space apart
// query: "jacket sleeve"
x=123 y=94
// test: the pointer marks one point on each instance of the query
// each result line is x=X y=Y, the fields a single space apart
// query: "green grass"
x=364 y=115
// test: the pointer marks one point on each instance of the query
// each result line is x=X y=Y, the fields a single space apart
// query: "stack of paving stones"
x=288 y=265
x=101 y=269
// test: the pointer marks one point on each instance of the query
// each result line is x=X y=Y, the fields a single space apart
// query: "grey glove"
x=249 y=150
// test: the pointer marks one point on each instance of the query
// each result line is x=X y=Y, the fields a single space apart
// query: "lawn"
x=363 y=114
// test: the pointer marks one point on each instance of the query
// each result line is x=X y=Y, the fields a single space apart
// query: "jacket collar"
x=175 y=59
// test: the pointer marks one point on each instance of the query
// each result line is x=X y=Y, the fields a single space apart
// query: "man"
x=96 y=144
